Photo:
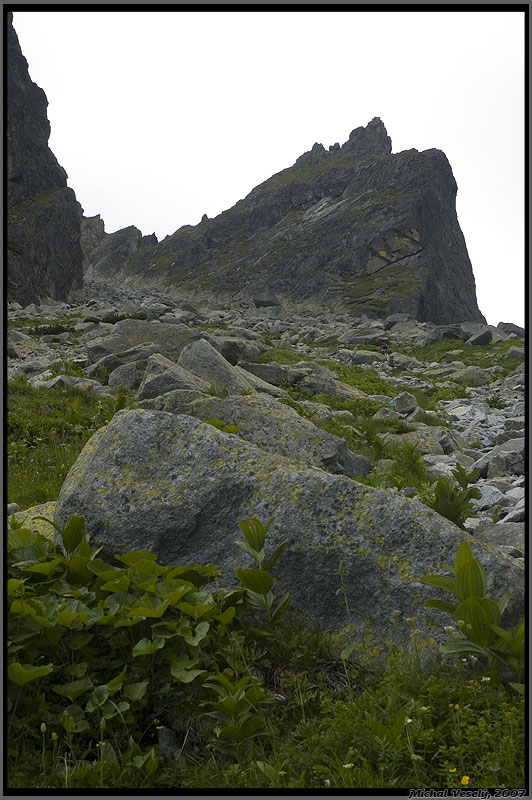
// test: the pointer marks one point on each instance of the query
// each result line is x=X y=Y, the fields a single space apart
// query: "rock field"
x=158 y=477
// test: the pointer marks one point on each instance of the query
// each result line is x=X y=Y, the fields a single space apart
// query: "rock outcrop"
x=177 y=487
x=44 y=257
x=357 y=227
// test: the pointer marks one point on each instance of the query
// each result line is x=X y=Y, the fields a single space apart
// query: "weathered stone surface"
x=472 y=376
x=174 y=402
x=162 y=375
x=496 y=533
x=201 y=359
x=504 y=459
x=129 y=333
x=128 y=375
x=277 y=428
x=29 y=518
x=259 y=385
x=185 y=505
x=115 y=360
x=44 y=257
x=274 y=373
x=424 y=439
x=491 y=498
x=509 y=327
x=480 y=338
x=404 y=403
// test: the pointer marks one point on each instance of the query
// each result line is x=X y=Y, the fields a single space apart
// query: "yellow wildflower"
x=465 y=780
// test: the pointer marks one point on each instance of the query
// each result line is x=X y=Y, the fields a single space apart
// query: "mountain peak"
x=373 y=140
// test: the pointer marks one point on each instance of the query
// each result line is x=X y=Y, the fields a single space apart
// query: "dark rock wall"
x=354 y=227
x=44 y=257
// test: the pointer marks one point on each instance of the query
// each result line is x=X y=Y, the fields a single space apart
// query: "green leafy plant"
x=494 y=401
x=235 y=711
x=478 y=617
x=258 y=582
x=111 y=621
x=452 y=496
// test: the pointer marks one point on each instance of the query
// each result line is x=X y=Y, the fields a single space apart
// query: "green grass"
x=335 y=722
x=371 y=383
x=46 y=433
x=472 y=355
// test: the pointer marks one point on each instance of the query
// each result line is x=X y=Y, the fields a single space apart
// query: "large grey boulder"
x=277 y=428
x=504 y=459
x=114 y=360
x=274 y=373
x=162 y=375
x=131 y=332
x=129 y=375
x=404 y=403
x=185 y=502
x=201 y=359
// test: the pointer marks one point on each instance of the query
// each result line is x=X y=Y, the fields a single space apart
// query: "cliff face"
x=44 y=257
x=354 y=227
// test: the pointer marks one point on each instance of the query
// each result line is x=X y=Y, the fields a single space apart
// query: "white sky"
x=161 y=116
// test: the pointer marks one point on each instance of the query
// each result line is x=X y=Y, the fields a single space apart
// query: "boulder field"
x=209 y=439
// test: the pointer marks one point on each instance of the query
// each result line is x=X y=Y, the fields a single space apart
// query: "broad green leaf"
x=463 y=646
x=21 y=674
x=441 y=581
x=77 y=670
x=442 y=605
x=478 y=614
x=183 y=669
x=285 y=602
x=73 y=534
x=74 y=689
x=503 y=601
x=136 y=556
x=519 y=687
x=226 y=616
x=136 y=691
x=200 y=633
x=257 y=580
x=256 y=555
x=78 y=571
x=97 y=698
x=47 y=567
x=13 y=585
x=145 y=646
x=120 y=583
x=270 y=561
x=116 y=683
x=470 y=580
x=463 y=555
x=255 y=532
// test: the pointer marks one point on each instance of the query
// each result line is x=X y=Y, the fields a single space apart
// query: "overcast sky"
x=161 y=116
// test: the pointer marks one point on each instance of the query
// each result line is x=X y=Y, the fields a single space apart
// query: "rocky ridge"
x=213 y=380
x=355 y=227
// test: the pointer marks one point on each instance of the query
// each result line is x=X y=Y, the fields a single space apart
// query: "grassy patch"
x=472 y=355
x=47 y=428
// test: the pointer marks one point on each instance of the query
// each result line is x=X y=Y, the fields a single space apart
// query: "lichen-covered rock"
x=162 y=375
x=277 y=428
x=177 y=487
x=404 y=403
x=201 y=359
x=111 y=362
x=129 y=333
